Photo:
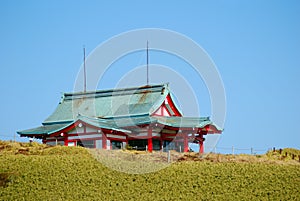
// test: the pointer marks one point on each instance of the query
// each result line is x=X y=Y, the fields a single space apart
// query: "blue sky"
x=254 y=44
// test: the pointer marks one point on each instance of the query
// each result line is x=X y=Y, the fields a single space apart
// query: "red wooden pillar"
x=150 y=146
x=201 y=149
x=201 y=145
x=185 y=142
x=104 y=138
x=66 y=141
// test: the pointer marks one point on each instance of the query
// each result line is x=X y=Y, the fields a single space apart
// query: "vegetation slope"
x=38 y=172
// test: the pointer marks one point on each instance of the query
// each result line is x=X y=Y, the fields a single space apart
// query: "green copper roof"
x=109 y=103
x=53 y=128
x=186 y=122
x=101 y=123
x=174 y=121
x=120 y=110
x=45 y=129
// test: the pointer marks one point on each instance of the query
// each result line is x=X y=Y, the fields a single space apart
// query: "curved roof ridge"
x=113 y=92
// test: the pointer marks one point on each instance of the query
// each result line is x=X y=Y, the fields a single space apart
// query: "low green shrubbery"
x=71 y=173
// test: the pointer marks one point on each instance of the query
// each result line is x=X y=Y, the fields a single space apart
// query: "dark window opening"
x=138 y=144
x=141 y=144
x=156 y=145
x=86 y=143
x=116 y=144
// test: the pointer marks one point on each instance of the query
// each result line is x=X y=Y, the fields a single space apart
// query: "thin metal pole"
x=84 y=69
x=147 y=64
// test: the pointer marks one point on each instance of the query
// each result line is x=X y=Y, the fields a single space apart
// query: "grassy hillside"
x=38 y=172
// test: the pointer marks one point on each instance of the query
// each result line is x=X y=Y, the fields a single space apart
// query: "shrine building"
x=143 y=118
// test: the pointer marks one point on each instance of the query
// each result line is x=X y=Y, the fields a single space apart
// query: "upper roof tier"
x=109 y=103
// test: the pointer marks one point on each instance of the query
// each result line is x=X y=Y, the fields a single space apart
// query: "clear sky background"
x=254 y=44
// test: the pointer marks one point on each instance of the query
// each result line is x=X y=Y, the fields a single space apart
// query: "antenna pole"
x=84 y=70
x=147 y=64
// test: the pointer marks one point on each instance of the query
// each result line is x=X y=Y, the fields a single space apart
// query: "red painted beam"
x=173 y=107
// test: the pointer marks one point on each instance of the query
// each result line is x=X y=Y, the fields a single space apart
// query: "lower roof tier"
x=128 y=125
